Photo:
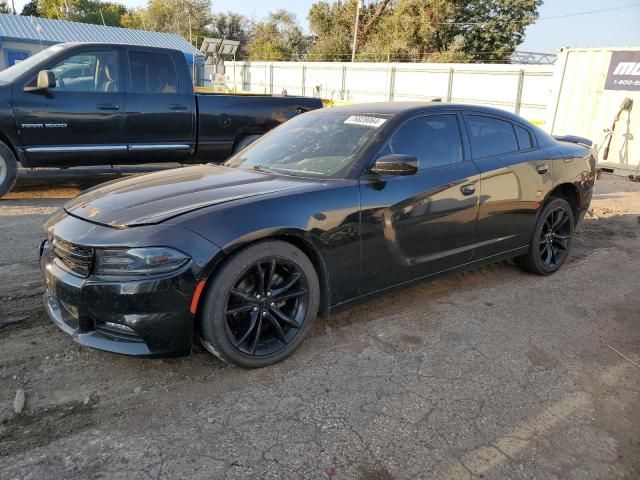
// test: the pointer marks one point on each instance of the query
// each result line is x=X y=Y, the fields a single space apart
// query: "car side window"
x=524 y=138
x=490 y=136
x=88 y=72
x=152 y=72
x=434 y=140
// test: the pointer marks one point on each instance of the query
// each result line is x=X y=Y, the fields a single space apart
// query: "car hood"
x=156 y=197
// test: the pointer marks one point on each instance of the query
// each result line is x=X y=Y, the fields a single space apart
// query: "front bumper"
x=143 y=317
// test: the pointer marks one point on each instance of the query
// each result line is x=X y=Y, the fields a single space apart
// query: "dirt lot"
x=490 y=374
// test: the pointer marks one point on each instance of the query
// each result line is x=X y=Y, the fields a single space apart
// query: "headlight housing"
x=138 y=261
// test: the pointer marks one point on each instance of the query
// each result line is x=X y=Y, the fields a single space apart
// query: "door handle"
x=177 y=107
x=542 y=169
x=108 y=106
x=468 y=189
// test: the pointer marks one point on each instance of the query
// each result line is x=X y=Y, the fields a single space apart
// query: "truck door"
x=160 y=117
x=81 y=120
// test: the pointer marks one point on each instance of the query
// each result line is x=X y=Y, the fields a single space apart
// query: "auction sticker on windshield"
x=365 y=120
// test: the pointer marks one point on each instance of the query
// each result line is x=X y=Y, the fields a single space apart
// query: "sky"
x=615 y=28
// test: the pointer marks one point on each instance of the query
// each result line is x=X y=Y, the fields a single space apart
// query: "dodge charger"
x=331 y=208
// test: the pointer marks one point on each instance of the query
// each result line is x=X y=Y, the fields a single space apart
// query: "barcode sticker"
x=365 y=120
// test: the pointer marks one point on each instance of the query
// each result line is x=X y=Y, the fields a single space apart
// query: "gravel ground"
x=489 y=374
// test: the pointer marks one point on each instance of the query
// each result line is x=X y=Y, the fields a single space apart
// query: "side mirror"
x=45 y=80
x=396 y=164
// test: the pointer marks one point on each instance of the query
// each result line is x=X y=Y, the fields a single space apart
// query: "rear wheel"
x=260 y=305
x=552 y=239
x=8 y=169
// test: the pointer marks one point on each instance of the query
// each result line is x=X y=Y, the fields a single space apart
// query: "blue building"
x=22 y=36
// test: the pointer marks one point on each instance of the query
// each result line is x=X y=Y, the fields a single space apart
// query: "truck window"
x=88 y=72
x=152 y=72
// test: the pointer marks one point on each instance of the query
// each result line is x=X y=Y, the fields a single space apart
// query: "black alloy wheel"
x=552 y=239
x=259 y=305
x=267 y=306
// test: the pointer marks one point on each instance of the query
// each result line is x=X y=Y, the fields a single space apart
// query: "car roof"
x=112 y=44
x=404 y=108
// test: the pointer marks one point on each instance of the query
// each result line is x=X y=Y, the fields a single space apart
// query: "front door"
x=81 y=120
x=160 y=120
x=414 y=226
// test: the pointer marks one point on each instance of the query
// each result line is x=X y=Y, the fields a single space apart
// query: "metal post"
x=344 y=82
x=450 y=86
x=271 y=79
x=519 y=94
x=355 y=31
x=304 y=77
x=392 y=83
x=560 y=68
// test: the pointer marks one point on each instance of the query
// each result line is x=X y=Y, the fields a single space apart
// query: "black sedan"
x=332 y=207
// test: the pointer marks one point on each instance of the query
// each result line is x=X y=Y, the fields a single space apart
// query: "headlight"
x=138 y=261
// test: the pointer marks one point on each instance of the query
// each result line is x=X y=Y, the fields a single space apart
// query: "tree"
x=427 y=30
x=277 y=38
x=331 y=25
x=232 y=26
x=87 y=11
x=173 y=16
x=30 y=9
x=492 y=29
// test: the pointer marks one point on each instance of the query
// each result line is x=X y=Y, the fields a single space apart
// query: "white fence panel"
x=415 y=82
x=517 y=88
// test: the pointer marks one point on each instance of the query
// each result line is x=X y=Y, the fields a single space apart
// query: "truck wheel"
x=244 y=143
x=8 y=169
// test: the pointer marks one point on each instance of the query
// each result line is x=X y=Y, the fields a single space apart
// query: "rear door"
x=417 y=225
x=514 y=182
x=160 y=115
x=81 y=120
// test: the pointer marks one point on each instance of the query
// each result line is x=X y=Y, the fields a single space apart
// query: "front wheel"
x=552 y=239
x=260 y=305
x=8 y=169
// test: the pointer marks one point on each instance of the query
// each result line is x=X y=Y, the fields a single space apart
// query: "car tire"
x=244 y=143
x=267 y=283
x=8 y=169
x=552 y=239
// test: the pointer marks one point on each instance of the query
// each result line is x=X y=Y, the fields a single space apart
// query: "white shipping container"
x=580 y=105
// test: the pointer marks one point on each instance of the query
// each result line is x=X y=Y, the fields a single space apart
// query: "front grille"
x=74 y=258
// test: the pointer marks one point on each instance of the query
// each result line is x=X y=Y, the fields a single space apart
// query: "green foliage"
x=332 y=27
x=232 y=26
x=30 y=9
x=173 y=16
x=86 y=11
x=422 y=30
x=277 y=38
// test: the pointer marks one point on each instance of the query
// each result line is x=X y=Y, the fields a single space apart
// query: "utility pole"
x=355 y=31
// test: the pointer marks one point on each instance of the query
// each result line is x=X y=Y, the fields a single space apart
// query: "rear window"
x=152 y=72
x=524 y=138
x=490 y=136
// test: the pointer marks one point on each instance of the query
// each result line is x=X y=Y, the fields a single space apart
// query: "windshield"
x=10 y=74
x=319 y=144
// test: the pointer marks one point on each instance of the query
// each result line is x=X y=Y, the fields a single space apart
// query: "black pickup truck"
x=79 y=104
